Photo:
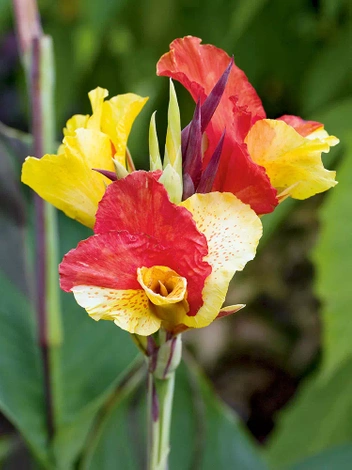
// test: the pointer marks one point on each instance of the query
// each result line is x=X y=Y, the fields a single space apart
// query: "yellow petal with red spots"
x=292 y=162
x=129 y=309
x=232 y=230
x=67 y=180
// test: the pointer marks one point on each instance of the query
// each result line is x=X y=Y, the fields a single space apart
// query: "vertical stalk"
x=37 y=58
x=163 y=363
x=160 y=399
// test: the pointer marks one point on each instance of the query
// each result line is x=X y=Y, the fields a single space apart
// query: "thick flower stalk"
x=262 y=160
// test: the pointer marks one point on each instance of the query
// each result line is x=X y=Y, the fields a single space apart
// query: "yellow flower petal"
x=290 y=160
x=75 y=122
x=96 y=98
x=67 y=180
x=93 y=147
x=118 y=116
x=232 y=230
x=128 y=309
x=167 y=291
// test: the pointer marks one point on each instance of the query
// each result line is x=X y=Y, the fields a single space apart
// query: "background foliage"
x=297 y=324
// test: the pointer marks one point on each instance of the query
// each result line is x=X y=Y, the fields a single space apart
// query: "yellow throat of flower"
x=167 y=293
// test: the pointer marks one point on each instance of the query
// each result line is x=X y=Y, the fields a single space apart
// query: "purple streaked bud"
x=192 y=158
x=184 y=140
x=188 y=186
x=109 y=174
x=208 y=176
x=211 y=103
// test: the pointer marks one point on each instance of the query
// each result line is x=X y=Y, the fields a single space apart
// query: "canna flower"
x=67 y=180
x=152 y=263
x=261 y=159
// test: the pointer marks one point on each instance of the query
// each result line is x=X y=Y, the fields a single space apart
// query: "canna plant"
x=167 y=242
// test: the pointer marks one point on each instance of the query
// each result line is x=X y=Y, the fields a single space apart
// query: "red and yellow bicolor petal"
x=146 y=244
x=157 y=264
x=140 y=204
x=67 y=180
x=232 y=230
x=302 y=126
x=240 y=175
x=292 y=161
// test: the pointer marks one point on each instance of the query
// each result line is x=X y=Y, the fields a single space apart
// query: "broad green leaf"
x=329 y=75
x=337 y=458
x=333 y=259
x=318 y=418
x=21 y=384
x=204 y=435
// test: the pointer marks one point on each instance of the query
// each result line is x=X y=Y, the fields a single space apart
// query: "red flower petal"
x=300 y=125
x=140 y=204
x=239 y=175
x=138 y=226
x=199 y=67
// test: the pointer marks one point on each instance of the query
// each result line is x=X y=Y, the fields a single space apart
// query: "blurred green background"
x=292 y=345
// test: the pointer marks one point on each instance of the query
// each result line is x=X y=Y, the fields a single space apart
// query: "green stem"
x=163 y=362
x=160 y=399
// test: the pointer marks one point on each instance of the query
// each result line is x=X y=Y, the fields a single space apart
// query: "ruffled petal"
x=140 y=204
x=118 y=115
x=300 y=125
x=232 y=230
x=198 y=67
x=67 y=180
x=129 y=309
x=292 y=162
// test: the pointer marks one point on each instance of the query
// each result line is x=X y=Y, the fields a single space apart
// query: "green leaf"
x=319 y=418
x=205 y=434
x=21 y=384
x=333 y=259
x=337 y=458
x=329 y=75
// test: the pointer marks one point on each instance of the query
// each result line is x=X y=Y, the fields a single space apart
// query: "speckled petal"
x=232 y=230
x=129 y=309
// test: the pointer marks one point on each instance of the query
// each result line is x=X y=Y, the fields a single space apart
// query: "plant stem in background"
x=37 y=57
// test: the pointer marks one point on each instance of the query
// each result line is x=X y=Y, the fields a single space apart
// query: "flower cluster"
x=167 y=242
